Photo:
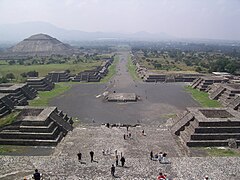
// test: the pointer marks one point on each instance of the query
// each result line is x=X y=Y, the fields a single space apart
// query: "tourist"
x=108 y=125
x=91 y=155
x=160 y=156
x=124 y=136
x=37 y=175
x=115 y=152
x=143 y=133
x=151 y=155
x=103 y=152
x=112 y=170
x=79 y=156
x=161 y=176
x=206 y=178
x=122 y=160
x=129 y=135
x=127 y=128
x=116 y=160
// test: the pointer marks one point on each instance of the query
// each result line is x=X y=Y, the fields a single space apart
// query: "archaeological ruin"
x=20 y=93
x=6 y=104
x=40 y=83
x=208 y=127
x=35 y=126
x=58 y=76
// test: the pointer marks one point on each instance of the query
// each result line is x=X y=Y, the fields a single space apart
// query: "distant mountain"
x=17 y=32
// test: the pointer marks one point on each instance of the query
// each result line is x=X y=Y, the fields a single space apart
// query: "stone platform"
x=20 y=93
x=208 y=127
x=36 y=126
x=40 y=84
x=122 y=97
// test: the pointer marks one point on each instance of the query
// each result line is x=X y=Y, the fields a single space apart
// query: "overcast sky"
x=215 y=19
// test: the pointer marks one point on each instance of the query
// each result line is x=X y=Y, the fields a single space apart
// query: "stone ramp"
x=235 y=103
x=217 y=93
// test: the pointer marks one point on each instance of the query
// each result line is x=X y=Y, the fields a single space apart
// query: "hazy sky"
x=180 y=18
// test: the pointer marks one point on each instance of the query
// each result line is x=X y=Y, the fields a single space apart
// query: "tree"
x=32 y=74
x=10 y=76
x=198 y=69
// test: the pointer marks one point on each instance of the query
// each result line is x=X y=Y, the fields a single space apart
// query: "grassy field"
x=222 y=152
x=111 y=70
x=44 y=97
x=202 y=97
x=10 y=118
x=44 y=69
x=132 y=69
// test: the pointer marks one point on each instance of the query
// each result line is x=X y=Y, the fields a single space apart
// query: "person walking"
x=36 y=175
x=124 y=136
x=116 y=160
x=151 y=155
x=91 y=155
x=122 y=160
x=113 y=170
x=79 y=156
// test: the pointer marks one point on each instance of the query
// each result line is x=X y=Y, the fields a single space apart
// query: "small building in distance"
x=58 y=76
x=40 y=83
x=20 y=93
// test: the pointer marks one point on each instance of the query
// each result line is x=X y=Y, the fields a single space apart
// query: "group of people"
x=161 y=157
x=80 y=156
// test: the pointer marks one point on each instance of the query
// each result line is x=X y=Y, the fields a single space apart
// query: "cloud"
x=181 y=18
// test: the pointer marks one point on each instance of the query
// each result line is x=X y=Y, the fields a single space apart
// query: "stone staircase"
x=217 y=93
x=196 y=82
x=235 y=103
x=36 y=127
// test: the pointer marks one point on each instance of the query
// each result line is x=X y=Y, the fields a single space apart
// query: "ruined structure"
x=122 y=97
x=6 y=104
x=20 y=93
x=38 y=45
x=93 y=75
x=225 y=93
x=36 y=126
x=40 y=84
x=58 y=76
x=208 y=127
x=203 y=83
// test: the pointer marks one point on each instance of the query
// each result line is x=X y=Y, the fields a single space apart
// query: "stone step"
x=5 y=113
x=32 y=142
x=38 y=129
x=209 y=143
x=220 y=124
x=215 y=136
x=217 y=129
x=10 y=134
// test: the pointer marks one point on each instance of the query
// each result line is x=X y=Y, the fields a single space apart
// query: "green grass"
x=132 y=69
x=202 y=98
x=10 y=118
x=111 y=70
x=44 y=97
x=43 y=70
x=222 y=152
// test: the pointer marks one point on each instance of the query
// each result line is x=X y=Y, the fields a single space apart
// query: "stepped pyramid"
x=40 y=45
